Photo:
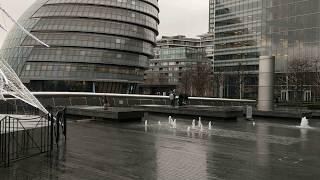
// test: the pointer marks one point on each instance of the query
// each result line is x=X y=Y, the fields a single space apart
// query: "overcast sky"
x=183 y=17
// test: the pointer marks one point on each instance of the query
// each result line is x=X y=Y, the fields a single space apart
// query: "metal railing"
x=53 y=94
x=22 y=137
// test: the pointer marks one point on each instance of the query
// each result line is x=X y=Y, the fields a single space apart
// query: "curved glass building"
x=95 y=45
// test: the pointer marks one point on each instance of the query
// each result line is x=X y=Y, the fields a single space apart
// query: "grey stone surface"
x=113 y=113
x=231 y=151
x=207 y=111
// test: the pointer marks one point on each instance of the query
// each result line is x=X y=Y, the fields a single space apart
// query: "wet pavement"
x=231 y=150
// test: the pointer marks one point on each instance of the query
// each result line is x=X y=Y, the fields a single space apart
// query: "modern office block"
x=247 y=29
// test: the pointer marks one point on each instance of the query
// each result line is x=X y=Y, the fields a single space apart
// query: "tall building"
x=237 y=30
x=247 y=29
x=95 y=45
x=292 y=35
x=174 y=55
x=212 y=14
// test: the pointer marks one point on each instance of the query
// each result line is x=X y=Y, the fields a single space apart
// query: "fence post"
x=51 y=132
x=48 y=132
x=65 y=123
x=1 y=141
x=58 y=119
x=9 y=142
x=5 y=141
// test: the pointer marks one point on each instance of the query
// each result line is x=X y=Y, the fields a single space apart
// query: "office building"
x=95 y=45
x=247 y=29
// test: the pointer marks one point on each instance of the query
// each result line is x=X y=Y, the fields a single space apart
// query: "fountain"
x=188 y=129
x=201 y=127
x=194 y=124
x=174 y=124
x=169 y=120
x=304 y=123
x=199 y=122
x=146 y=123
x=210 y=125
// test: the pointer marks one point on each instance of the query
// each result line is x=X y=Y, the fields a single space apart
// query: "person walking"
x=171 y=97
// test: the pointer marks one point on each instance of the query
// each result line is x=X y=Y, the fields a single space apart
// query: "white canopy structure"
x=10 y=83
x=21 y=27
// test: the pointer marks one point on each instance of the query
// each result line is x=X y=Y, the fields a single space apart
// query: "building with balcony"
x=174 y=55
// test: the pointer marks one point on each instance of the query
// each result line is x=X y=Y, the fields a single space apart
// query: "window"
x=307 y=96
x=28 y=67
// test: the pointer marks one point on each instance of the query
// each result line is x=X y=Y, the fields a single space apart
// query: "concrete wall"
x=117 y=100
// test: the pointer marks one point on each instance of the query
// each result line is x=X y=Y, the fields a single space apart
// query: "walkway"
x=121 y=151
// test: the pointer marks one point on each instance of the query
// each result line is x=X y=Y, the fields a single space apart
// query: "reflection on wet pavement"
x=237 y=150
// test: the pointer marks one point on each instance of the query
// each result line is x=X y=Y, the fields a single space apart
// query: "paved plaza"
x=231 y=150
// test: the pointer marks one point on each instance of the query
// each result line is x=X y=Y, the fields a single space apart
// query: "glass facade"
x=95 y=45
x=237 y=28
x=293 y=35
x=212 y=14
x=247 y=29
x=293 y=30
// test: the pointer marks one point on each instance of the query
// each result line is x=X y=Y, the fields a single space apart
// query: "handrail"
x=133 y=95
x=39 y=136
x=3 y=118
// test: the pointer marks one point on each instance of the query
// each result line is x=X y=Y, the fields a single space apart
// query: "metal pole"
x=1 y=145
x=58 y=128
x=65 y=124
x=9 y=142
x=51 y=132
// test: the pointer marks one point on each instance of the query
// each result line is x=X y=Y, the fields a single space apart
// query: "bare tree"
x=185 y=85
x=197 y=80
x=300 y=76
x=241 y=79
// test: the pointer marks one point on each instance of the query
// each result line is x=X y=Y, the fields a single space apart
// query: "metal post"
x=48 y=129
x=58 y=128
x=9 y=142
x=65 y=124
x=266 y=83
x=1 y=145
x=51 y=132
x=5 y=140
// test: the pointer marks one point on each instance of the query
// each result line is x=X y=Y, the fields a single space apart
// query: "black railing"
x=22 y=137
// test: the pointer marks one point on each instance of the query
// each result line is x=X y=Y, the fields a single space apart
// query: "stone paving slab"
x=232 y=151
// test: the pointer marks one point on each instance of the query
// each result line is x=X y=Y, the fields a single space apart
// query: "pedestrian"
x=174 y=97
x=171 y=97
x=180 y=100
x=106 y=104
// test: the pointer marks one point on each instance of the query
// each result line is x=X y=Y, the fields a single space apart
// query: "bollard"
x=249 y=113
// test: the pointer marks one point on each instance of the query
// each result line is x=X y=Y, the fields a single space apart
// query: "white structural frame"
x=21 y=27
x=10 y=84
